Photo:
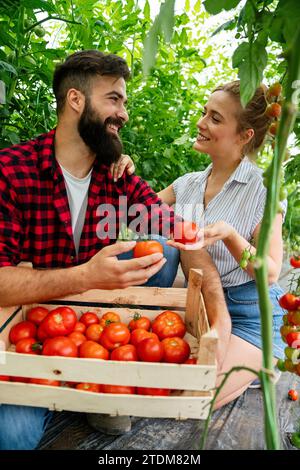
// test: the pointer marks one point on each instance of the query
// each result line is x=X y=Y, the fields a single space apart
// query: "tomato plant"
x=147 y=247
x=176 y=350
x=23 y=329
x=289 y=301
x=115 y=335
x=60 y=346
x=59 y=322
x=295 y=261
x=293 y=395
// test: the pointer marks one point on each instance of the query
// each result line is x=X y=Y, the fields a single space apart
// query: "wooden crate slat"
x=59 y=398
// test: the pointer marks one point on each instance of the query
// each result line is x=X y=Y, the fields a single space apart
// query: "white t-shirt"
x=77 y=192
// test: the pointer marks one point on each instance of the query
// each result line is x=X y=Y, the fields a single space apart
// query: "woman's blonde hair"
x=252 y=116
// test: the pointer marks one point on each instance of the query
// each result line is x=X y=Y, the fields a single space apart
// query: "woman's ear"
x=247 y=135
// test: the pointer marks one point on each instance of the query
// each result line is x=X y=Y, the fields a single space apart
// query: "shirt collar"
x=45 y=149
x=241 y=174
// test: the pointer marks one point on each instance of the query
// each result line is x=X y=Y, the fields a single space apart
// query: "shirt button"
x=72 y=257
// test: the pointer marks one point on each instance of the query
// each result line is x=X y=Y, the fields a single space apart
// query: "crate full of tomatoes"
x=110 y=352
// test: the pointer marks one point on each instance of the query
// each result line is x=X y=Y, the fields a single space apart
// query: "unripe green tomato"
x=237 y=36
x=289 y=352
x=39 y=31
x=290 y=367
x=243 y=263
x=246 y=255
x=280 y=365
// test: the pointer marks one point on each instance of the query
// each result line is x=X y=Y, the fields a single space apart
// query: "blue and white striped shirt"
x=240 y=203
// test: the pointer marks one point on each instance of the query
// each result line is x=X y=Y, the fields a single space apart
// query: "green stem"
x=261 y=271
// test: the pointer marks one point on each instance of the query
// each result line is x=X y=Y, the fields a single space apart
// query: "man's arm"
x=212 y=291
x=21 y=285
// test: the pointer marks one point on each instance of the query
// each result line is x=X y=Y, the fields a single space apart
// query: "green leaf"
x=39 y=5
x=150 y=48
x=2 y=92
x=7 y=67
x=166 y=19
x=225 y=26
x=251 y=70
x=197 y=6
x=216 y=6
x=184 y=139
x=147 y=13
x=240 y=54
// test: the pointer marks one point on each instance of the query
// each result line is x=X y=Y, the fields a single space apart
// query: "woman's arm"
x=236 y=244
x=167 y=195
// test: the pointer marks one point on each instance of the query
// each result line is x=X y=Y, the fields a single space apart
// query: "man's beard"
x=107 y=146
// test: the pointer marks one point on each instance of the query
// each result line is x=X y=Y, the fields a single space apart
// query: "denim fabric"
x=22 y=427
x=242 y=303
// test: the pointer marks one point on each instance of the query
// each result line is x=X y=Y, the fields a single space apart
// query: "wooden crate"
x=192 y=385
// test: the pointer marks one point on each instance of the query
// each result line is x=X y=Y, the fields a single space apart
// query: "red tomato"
x=87 y=387
x=139 y=322
x=176 y=350
x=60 y=346
x=89 y=318
x=150 y=350
x=94 y=350
x=153 y=391
x=285 y=330
x=109 y=317
x=124 y=353
x=59 y=322
x=123 y=389
x=289 y=301
x=80 y=327
x=15 y=378
x=94 y=331
x=23 y=329
x=168 y=324
x=147 y=247
x=293 y=339
x=191 y=360
x=37 y=314
x=139 y=334
x=295 y=261
x=185 y=232
x=53 y=383
x=4 y=378
x=28 y=346
x=293 y=395
x=41 y=333
x=115 y=335
x=77 y=337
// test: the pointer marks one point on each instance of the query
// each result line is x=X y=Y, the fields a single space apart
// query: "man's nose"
x=122 y=114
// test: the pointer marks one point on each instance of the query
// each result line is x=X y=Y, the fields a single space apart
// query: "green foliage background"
x=164 y=106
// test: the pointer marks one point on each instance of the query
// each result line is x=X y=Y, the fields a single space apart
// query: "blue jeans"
x=242 y=303
x=22 y=427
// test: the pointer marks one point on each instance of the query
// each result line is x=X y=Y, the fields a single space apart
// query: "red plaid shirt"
x=35 y=220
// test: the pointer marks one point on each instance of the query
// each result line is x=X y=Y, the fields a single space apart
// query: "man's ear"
x=76 y=100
